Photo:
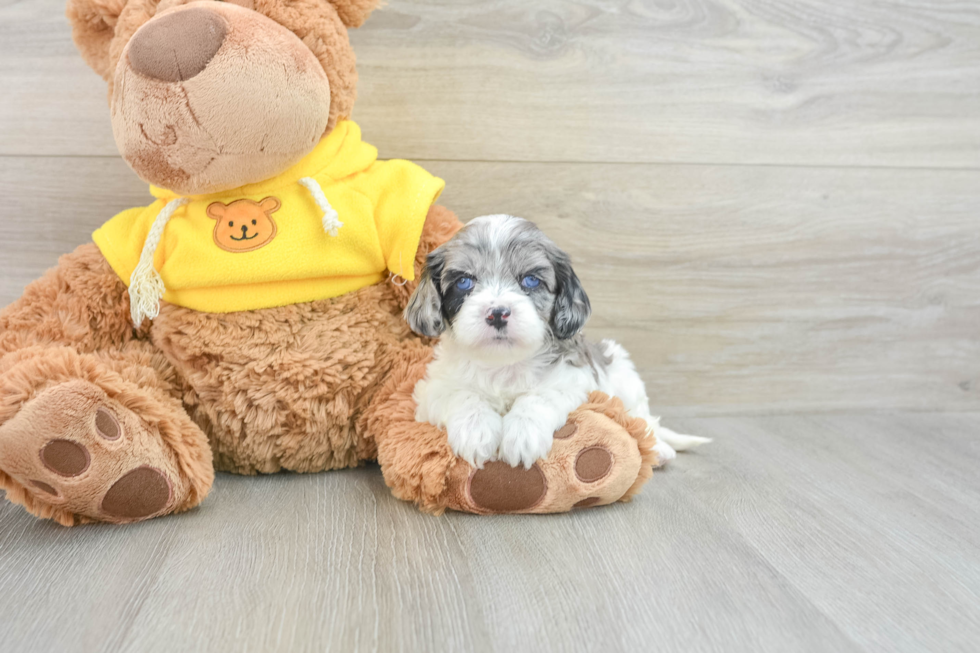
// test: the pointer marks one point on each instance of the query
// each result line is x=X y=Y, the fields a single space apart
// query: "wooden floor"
x=792 y=533
x=774 y=204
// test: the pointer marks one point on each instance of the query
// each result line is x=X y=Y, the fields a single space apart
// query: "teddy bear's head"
x=208 y=95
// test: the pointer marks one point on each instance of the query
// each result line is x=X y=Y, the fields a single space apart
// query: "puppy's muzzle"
x=497 y=317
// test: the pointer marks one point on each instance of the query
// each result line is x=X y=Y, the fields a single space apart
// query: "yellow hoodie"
x=278 y=242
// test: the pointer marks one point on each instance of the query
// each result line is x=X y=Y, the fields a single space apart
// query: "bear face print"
x=244 y=225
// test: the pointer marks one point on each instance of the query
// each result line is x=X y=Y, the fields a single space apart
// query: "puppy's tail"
x=677 y=441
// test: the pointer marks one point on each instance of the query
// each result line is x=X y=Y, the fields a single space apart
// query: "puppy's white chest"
x=503 y=386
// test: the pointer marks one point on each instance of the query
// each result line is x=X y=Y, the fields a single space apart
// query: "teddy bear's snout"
x=209 y=96
x=177 y=46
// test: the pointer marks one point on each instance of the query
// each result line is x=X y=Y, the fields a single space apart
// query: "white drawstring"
x=392 y=276
x=146 y=287
x=331 y=219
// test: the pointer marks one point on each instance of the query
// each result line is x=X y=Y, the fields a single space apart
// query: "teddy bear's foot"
x=81 y=456
x=599 y=457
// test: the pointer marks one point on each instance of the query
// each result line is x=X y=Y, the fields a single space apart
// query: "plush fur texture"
x=66 y=355
x=285 y=388
x=103 y=422
x=223 y=128
x=296 y=401
x=102 y=28
x=220 y=128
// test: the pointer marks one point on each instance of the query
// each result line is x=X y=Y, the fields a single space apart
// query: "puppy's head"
x=501 y=289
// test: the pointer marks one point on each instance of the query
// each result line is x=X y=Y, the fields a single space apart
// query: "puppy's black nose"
x=497 y=317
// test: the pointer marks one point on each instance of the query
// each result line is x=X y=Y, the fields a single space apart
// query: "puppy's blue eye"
x=530 y=281
x=465 y=284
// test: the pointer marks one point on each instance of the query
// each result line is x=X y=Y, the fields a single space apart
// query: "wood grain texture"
x=803 y=533
x=737 y=289
x=711 y=81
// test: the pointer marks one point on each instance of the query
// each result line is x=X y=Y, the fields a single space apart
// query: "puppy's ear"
x=572 y=307
x=424 y=310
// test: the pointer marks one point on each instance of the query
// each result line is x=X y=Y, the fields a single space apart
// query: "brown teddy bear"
x=249 y=319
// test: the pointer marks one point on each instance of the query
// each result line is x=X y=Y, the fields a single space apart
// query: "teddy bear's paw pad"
x=498 y=487
x=138 y=494
x=107 y=425
x=65 y=458
x=74 y=448
x=566 y=431
x=44 y=487
x=593 y=462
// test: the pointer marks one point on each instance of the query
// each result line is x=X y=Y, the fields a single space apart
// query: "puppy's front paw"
x=528 y=436
x=474 y=433
x=665 y=453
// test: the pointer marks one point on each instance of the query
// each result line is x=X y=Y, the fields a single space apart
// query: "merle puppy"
x=512 y=363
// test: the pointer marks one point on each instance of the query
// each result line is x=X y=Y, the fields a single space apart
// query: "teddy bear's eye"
x=231 y=224
x=254 y=223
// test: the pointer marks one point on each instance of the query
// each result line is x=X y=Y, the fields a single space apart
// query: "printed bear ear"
x=270 y=204
x=216 y=210
x=354 y=12
x=93 y=25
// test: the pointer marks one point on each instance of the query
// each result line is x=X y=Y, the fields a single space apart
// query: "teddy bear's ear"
x=354 y=12
x=93 y=25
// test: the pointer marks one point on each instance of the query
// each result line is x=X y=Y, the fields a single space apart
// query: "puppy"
x=511 y=364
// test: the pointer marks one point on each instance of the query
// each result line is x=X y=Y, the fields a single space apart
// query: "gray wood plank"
x=873 y=518
x=52 y=101
x=712 y=81
x=738 y=289
x=794 y=533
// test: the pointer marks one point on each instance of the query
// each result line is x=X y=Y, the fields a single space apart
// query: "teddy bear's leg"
x=91 y=423
x=599 y=457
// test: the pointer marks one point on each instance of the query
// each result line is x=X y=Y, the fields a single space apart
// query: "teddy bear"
x=249 y=319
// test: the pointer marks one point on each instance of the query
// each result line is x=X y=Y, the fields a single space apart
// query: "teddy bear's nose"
x=177 y=46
